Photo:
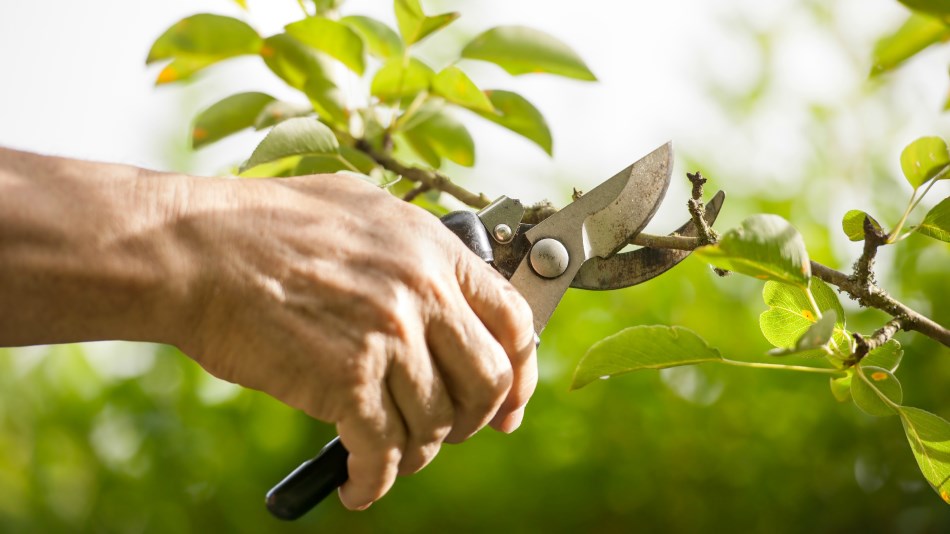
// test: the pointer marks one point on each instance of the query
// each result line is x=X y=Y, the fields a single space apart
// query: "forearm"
x=88 y=251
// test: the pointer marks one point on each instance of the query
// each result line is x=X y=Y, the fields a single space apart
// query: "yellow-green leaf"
x=764 y=246
x=380 y=40
x=522 y=50
x=397 y=80
x=302 y=136
x=327 y=100
x=415 y=25
x=929 y=438
x=841 y=387
x=278 y=111
x=877 y=392
x=228 y=116
x=887 y=356
x=853 y=224
x=336 y=40
x=198 y=41
x=455 y=86
x=293 y=61
x=445 y=137
x=924 y=159
x=815 y=336
x=936 y=223
x=642 y=347
x=917 y=33
x=515 y=113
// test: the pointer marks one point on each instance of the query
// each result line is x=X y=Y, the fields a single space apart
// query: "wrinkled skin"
x=325 y=292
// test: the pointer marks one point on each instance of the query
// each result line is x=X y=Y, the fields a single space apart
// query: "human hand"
x=361 y=310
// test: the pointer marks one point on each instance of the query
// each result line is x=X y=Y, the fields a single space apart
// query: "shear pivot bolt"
x=503 y=233
x=549 y=258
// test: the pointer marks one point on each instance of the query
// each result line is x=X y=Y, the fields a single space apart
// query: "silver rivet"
x=503 y=233
x=549 y=258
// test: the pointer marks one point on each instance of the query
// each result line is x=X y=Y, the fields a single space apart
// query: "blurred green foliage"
x=137 y=438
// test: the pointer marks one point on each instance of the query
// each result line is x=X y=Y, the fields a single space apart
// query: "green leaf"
x=815 y=336
x=456 y=87
x=936 y=223
x=293 y=61
x=790 y=315
x=917 y=33
x=395 y=80
x=441 y=136
x=522 y=50
x=278 y=111
x=923 y=159
x=841 y=388
x=888 y=356
x=380 y=40
x=765 y=247
x=320 y=165
x=198 y=41
x=337 y=40
x=181 y=69
x=301 y=136
x=349 y=159
x=228 y=116
x=929 y=437
x=515 y=113
x=642 y=347
x=940 y=8
x=358 y=159
x=415 y=25
x=327 y=100
x=853 y=224
x=870 y=397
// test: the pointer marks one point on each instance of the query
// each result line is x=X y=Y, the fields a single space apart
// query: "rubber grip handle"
x=310 y=483
x=316 y=478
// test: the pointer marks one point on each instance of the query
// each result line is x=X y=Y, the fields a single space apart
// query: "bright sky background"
x=75 y=84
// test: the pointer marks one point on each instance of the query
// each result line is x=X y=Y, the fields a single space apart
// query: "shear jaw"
x=597 y=224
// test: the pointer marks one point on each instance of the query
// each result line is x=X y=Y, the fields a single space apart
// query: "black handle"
x=315 y=479
x=310 y=483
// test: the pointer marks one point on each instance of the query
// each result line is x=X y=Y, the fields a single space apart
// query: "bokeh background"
x=771 y=100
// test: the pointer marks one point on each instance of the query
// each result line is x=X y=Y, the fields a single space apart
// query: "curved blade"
x=631 y=268
x=597 y=224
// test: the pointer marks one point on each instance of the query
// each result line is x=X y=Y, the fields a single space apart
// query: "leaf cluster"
x=410 y=109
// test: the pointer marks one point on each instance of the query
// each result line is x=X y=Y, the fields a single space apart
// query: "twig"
x=431 y=179
x=864 y=266
x=697 y=210
x=675 y=242
x=878 y=338
x=415 y=192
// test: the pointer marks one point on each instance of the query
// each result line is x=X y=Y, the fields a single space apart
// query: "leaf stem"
x=783 y=367
x=892 y=236
x=811 y=300
x=303 y=8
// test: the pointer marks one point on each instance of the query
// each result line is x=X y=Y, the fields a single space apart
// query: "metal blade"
x=635 y=267
x=597 y=224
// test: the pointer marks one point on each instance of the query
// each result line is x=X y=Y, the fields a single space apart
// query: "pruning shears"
x=578 y=246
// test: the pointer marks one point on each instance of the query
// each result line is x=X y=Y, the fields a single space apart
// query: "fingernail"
x=513 y=421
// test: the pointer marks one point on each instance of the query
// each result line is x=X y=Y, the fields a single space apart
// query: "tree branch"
x=878 y=338
x=872 y=296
